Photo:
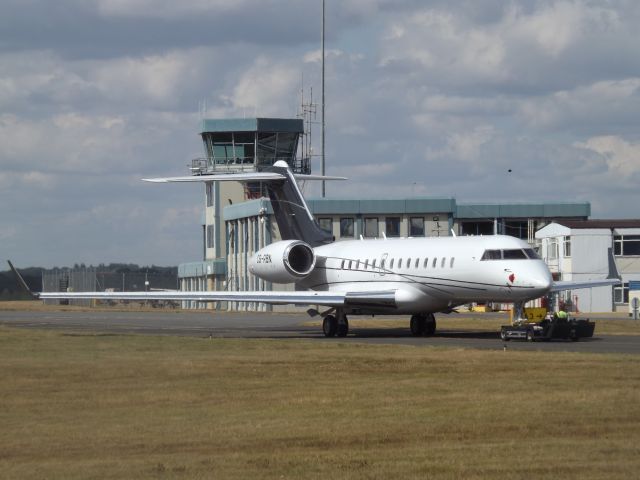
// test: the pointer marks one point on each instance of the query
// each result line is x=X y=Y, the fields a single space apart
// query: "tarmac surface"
x=288 y=325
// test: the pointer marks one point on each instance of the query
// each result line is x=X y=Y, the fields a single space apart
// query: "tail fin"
x=292 y=213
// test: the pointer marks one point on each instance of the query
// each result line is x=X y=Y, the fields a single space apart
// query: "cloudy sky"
x=431 y=98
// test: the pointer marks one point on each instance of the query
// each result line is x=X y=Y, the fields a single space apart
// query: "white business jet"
x=413 y=276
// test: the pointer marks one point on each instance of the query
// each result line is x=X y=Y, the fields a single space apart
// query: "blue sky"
x=428 y=97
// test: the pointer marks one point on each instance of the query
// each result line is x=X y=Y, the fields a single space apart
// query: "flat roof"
x=523 y=210
x=285 y=125
x=601 y=223
x=479 y=211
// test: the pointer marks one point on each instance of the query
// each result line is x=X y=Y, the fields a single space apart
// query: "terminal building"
x=580 y=250
x=238 y=220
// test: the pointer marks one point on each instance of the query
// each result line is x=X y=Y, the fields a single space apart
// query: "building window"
x=552 y=250
x=326 y=224
x=416 y=227
x=392 y=226
x=626 y=245
x=209 y=192
x=516 y=228
x=477 y=228
x=567 y=247
x=621 y=293
x=371 y=227
x=346 y=227
x=210 y=237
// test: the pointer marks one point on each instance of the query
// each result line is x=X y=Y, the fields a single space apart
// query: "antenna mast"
x=323 y=165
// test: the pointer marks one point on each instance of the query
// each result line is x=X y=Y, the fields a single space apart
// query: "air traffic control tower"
x=231 y=146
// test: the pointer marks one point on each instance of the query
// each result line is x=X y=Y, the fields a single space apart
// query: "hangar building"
x=577 y=250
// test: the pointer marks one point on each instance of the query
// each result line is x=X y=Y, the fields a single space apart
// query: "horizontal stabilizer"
x=238 y=177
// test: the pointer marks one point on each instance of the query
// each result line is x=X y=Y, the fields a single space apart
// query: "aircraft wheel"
x=417 y=325
x=330 y=326
x=430 y=325
x=343 y=328
x=503 y=336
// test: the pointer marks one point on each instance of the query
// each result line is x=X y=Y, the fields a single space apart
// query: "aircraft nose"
x=542 y=279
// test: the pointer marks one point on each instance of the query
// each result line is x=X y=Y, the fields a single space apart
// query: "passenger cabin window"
x=349 y=267
x=443 y=261
x=373 y=263
x=391 y=263
x=382 y=264
x=408 y=262
x=426 y=263
x=417 y=263
x=342 y=265
x=435 y=261
x=358 y=264
x=366 y=263
x=451 y=262
x=399 y=263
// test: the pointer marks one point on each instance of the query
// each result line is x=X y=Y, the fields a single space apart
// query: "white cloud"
x=622 y=157
x=267 y=88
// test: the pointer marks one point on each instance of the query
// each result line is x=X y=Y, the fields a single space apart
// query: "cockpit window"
x=492 y=255
x=531 y=253
x=514 y=254
x=510 y=254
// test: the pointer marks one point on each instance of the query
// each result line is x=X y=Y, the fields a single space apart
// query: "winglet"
x=613 y=269
x=21 y=281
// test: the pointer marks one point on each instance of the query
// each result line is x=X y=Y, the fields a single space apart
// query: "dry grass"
x=87 y=406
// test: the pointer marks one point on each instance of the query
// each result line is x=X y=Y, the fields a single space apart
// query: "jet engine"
x=283 y=262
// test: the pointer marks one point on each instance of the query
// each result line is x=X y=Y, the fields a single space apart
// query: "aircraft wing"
x=385 y=298
x=295 y=297
x=575 y=285
x=308 y=297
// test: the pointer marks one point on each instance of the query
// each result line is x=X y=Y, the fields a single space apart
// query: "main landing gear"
x=423 y=325
x=335 y=325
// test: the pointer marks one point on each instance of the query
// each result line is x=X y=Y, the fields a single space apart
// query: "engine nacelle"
x=283 y=262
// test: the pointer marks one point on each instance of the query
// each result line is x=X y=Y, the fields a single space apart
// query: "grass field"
x=106 y=406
